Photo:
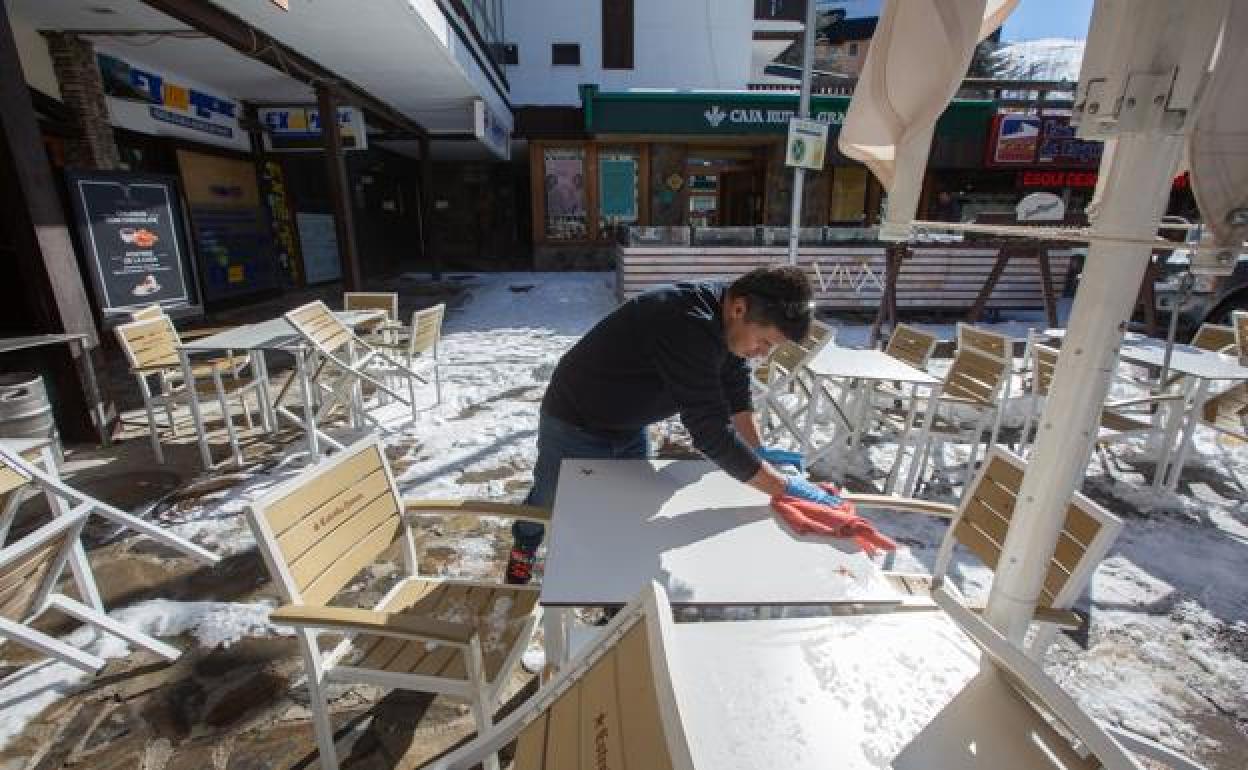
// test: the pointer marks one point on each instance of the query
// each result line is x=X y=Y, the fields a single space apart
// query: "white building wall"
x=701 y=44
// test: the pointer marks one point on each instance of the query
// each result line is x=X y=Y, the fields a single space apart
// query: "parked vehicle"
x=1210 y=299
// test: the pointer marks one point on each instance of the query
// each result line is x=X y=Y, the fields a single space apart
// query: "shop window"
x=617 y=189
x=847 y=198
x=617 y=34
x=564 y=191
x=565 y=54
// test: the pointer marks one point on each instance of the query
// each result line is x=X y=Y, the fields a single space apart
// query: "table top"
x=1185 y=359
x=8 y=344
x=849 y=691
x=707 y=538
x=866 y=364
x=274 y=334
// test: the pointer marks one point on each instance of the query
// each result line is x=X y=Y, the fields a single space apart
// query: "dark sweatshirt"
x=661 y=353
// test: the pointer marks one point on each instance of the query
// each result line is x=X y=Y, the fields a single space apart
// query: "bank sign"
x=676 y=113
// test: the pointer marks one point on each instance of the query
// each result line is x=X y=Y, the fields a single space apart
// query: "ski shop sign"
x=141 y=98
x=299 y=128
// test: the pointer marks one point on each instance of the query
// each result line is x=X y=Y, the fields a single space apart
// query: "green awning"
x=736 y=113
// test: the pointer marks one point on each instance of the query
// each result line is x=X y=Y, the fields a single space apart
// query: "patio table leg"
x=1193 y=407
x=555 y=635
x=912 y=473
x=192 y=398
x=903 y=442
x=812 y=409
x=1174 y=420
x=309 y=411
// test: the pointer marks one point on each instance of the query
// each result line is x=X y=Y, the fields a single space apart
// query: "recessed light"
x=101 y=10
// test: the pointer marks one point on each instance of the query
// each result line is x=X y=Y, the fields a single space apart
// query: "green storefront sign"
x=738 y=114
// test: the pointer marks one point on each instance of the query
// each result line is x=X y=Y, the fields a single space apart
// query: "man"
x=678 y=349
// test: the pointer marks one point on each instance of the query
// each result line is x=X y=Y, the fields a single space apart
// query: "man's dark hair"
x=779 y=296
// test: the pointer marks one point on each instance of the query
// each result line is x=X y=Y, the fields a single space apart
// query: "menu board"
x=131 y=229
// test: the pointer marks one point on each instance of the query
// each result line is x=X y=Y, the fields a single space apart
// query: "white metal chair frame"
x=154 y=350
x=980 y=522
x=293 y=556
x=652 y=608
x=353 y=363
x=785 y=370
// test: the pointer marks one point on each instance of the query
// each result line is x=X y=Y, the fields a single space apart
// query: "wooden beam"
x=255 y=43
x=1046 y=287
x=339 y=188
x=990 y=283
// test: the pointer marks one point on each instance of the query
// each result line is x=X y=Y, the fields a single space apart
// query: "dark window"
x=617 y=34
x=565 y=54
x=511 y=53
x=780 y=10
x=853 y=49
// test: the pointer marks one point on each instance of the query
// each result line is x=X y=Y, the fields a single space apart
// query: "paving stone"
x=256 y=691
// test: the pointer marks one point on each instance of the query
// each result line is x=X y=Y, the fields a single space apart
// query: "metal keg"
x=25 y=411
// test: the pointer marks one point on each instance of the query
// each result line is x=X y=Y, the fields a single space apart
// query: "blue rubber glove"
x=798 y=487
x=779 y=457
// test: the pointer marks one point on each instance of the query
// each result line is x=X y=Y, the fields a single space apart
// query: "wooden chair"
x=29 y=571
x=1120 y=418
x=1000 y=346
x=418 y=343
x=613 y=706
x=975 y=382
x=980 y=523
x=351 y=362
x=911 y=345
x=455 y=637
x=385 y=301
x=782 y=376
x=1011 y=715
x=237 y=362
x=154 y=352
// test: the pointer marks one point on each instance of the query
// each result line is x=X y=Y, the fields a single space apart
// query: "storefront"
x=702 y=159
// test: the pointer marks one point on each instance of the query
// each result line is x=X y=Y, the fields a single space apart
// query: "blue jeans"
x=557 y=440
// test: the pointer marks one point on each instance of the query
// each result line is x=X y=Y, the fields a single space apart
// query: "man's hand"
x=779 y=457
x=798 y=487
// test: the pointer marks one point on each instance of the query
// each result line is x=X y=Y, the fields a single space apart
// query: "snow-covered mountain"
x=1048 y=58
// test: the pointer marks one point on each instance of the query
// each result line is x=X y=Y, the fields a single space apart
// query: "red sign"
x=1028 y=179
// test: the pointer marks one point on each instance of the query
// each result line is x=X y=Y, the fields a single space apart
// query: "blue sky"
x=1048 y=18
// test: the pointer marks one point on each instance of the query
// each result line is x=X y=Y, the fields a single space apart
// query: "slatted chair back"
x=1043 y=365
x=1239 y=320
x=426 y=329
x=614 y=706
x=325 y=527
x=387 y=302
x=1227 y=412
x=12 y=488
x=30 y=567
x=788 y=357
x=147 y=313
x=317 y=323
x=976 y=375
x=150 y=344
x=987 y=510
x=911 y=345
x=1214 y=337
x=990 y=342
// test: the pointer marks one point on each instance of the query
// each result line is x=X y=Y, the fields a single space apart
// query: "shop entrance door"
x=740 y=199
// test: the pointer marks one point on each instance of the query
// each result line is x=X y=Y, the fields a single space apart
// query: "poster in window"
x=564 y=187
x=618 y=188
x=131 y=228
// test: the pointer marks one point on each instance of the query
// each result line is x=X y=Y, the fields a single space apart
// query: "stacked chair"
x=782 y=380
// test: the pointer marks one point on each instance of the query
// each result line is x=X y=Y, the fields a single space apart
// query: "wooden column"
x=339 y=188
x=427 y=209
x=887 y=312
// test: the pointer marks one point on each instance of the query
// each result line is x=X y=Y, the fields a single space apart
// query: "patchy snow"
x=1166 y=651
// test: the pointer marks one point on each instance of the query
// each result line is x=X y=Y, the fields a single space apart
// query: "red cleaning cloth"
x=840 y=520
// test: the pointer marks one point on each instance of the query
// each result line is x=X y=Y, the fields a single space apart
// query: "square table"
x=277 y=334
x=848 y=691
x=866 y=366
x=1199 y=368
x=706 y=537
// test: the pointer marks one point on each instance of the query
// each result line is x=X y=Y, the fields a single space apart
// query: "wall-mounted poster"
x=319 y=242
x=131 y=228
x=233 y=237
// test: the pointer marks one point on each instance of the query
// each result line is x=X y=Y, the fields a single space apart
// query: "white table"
x=277 y=335
x=707 y=538
x=1199 y=368
x=864 y=367
x=804 y=694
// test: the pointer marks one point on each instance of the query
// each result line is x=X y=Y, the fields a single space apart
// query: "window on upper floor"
x=510 y=54
x=853 y=49
x=565 y=54
x=617 y=34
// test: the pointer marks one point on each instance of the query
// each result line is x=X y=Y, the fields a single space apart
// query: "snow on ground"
x=1169 y=612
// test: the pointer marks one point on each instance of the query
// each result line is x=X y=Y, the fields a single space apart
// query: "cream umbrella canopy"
x=918 y=56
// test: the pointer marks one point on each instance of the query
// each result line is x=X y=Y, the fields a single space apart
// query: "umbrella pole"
x=803 y=111
x=1138 y=169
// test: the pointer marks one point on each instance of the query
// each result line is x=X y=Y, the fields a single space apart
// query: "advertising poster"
x=319 y=242
x=618 y=187
x=230 y=226
x=131 y=229
x=565 y=185
x=1015 y=140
